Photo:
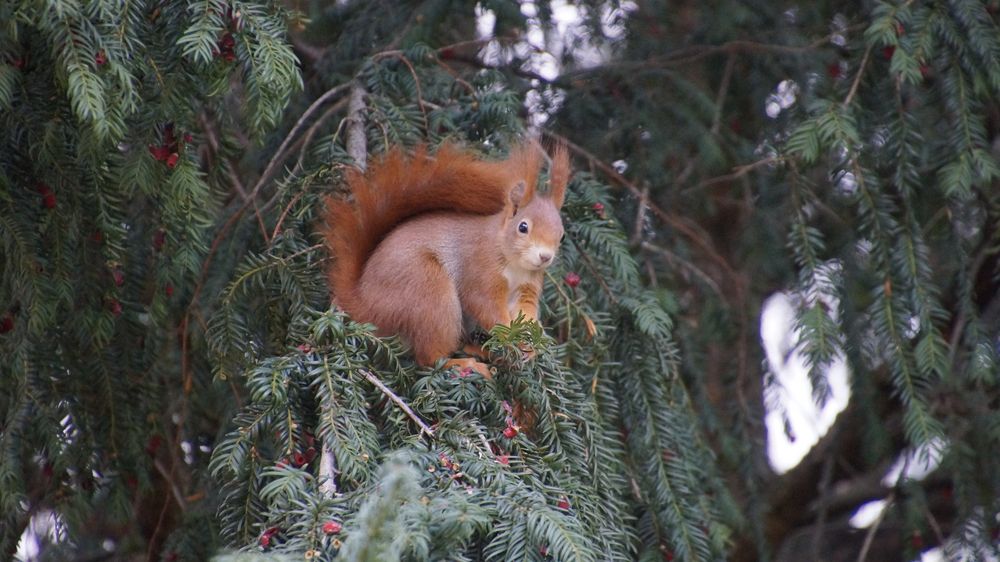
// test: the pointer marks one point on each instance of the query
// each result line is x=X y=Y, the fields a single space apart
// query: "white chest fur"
x=517 y=277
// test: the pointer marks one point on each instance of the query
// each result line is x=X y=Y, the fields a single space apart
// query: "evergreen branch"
x=424 y=428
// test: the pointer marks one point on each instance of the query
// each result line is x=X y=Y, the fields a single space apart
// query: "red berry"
x=168 y=290
x=563 y=504
x=228 y=56
x=332 y=527
x=888 y=51
x=510 y=432
x=48 y=197
x=227 y=42
x=119 y=277
x=504 y=460
x=271 y=531
x=543 y=550
x=916 y=540
x=100 y=58
x=446 y=53
x=188 y=138
x=265 y=541
x=153 y=444
x=6 y=324
x=668 y=556
x=115 y=307
x=599 y=208
x=304 y=348
x=172 y=160
x=925 y=71
x=298 y=459
x=833 y=70
x=161 y=153
x=572 y=279
x=310 y=454
x=97 y=236
x=900 y=30
x=159 y=238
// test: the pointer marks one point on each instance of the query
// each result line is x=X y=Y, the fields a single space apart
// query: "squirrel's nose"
x=545 y=257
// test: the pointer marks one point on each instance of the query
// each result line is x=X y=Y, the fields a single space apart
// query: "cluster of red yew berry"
x=225 y=48
x=169 y=151
x=298 y=459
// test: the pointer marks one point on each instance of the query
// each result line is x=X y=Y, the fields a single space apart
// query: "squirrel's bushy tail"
x=397 y=187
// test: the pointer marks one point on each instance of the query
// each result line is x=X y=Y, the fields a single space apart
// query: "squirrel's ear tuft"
x=559 y=175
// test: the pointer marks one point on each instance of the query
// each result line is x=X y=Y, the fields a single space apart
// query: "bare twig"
x=357 y=141
x=738 y=172
x=673 y=221
x=720 y=99
x=857 y=78
x=870 y=536
x=824 y=495
x=174 y=489
x=673 y=257
x=357 y=148
x=399 y=402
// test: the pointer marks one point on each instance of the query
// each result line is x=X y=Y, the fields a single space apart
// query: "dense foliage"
x=175 y=381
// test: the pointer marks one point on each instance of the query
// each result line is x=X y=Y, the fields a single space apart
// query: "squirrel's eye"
x=523 y=227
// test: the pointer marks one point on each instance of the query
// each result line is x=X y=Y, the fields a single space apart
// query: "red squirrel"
x=430 y=238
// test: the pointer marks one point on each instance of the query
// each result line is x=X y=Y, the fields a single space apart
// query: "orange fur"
x=428 y=239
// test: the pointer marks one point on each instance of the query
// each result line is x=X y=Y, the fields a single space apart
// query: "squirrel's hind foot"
x=469 y=363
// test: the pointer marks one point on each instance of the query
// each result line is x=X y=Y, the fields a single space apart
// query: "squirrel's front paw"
x=527 y=351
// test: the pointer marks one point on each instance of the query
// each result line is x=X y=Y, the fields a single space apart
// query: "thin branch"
x=673 y=257
x=174 y=489
x=870 y=536
x=737 y=173
x=224 y=231
x=727 y=75
x=357 y=148
x=280 y=155
x=824 y=495
x=399 y=402
x=857 y=78
x=357 y=140
x=413 y=72
x=674 y=222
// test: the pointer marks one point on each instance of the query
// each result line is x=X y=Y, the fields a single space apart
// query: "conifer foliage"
x=175 y=383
